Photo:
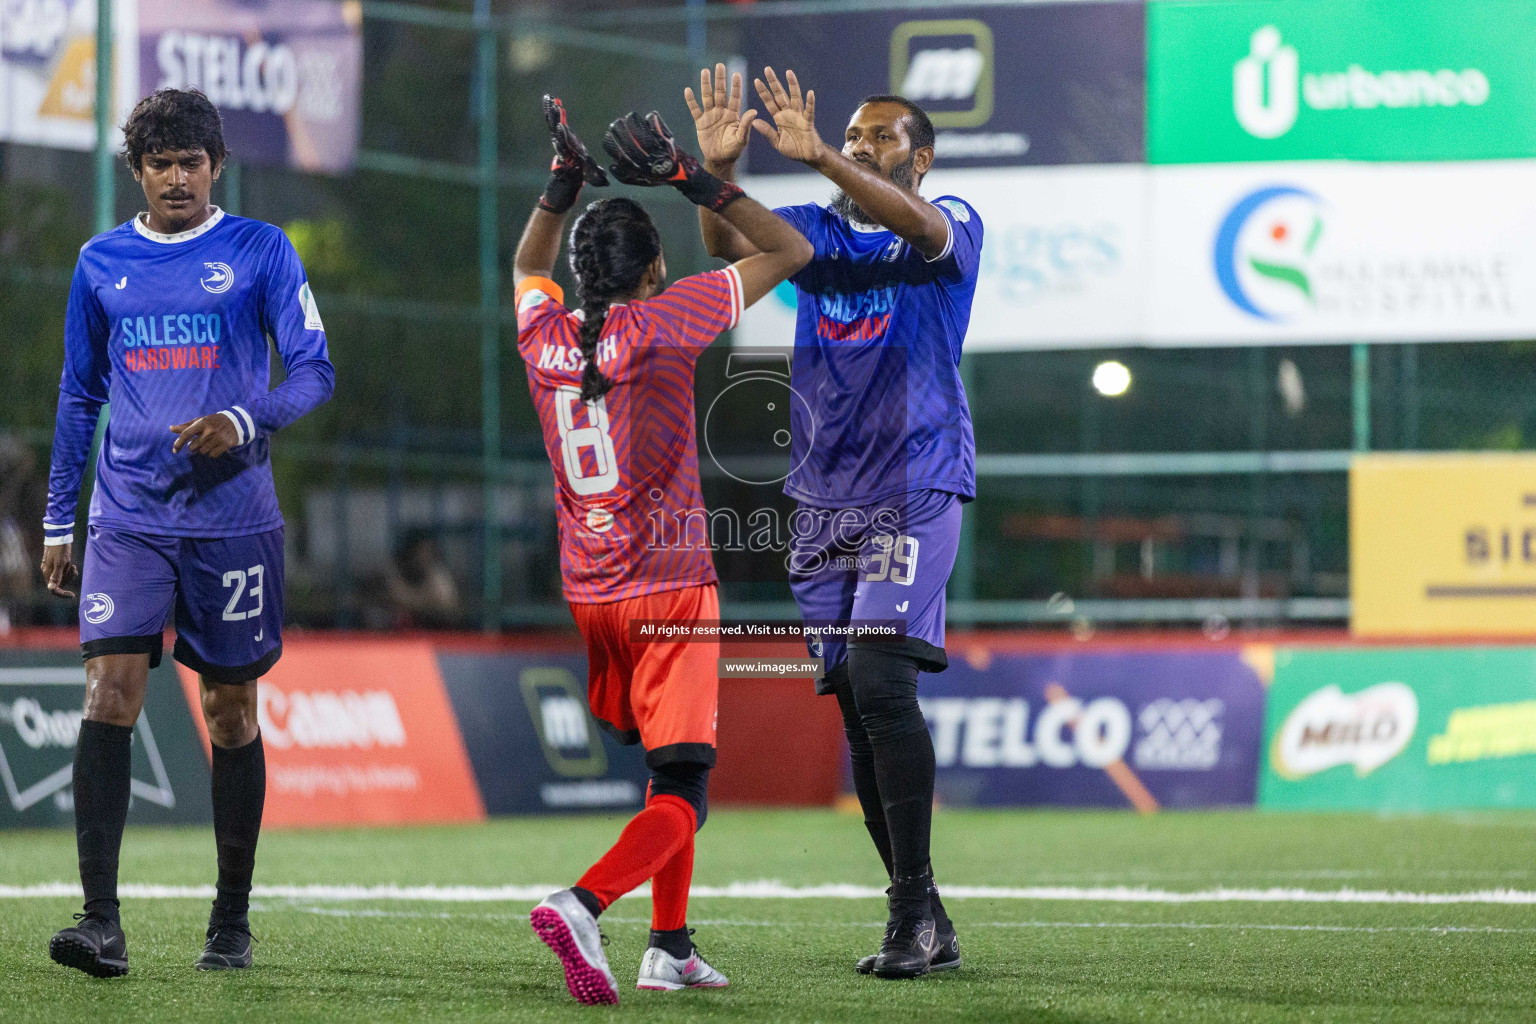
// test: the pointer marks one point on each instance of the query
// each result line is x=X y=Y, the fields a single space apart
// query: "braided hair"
x=612 y=246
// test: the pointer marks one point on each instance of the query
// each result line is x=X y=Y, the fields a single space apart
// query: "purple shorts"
x=226 y=592
x=887 y=561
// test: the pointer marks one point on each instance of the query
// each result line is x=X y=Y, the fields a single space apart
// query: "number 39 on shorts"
x=596 y=437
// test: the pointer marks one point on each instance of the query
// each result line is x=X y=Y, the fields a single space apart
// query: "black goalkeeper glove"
x=645 y=153
x=572 y=165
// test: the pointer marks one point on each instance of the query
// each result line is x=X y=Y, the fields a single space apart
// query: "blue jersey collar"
x=206 y=226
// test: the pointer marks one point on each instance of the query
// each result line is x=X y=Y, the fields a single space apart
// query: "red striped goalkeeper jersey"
x=627 y=497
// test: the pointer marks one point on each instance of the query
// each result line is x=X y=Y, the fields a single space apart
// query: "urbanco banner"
x=1329 y=79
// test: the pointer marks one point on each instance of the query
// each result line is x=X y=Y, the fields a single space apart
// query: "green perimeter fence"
x=1212 y=493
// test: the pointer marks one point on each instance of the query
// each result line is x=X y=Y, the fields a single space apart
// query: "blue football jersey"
x=169 y=328
x=878 y=335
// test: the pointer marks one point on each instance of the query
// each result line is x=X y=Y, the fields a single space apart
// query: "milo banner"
x=285 y=74
x=41 y=698
x=1040 y=83
x=1401 y=729
x=1429 y=80
x=1145 y=729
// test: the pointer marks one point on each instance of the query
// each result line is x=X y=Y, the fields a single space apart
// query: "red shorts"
x=663 y=695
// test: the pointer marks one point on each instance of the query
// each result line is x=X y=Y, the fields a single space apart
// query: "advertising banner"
x=358 y=733
x=285 y=74
x=1041 y=83
x=535 y=747
x=1337 y=252
x=48 y=70
x=1146 y=729
x=1356 y=79
x=41 y=697
x=1443 y=545
x=1401 y=729
x=1062 y=263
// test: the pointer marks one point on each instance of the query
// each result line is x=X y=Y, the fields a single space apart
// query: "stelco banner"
x=1040 y=83
x=1443 y=545
x=1401 y=729
x=1358 y=79
x=1146 y=729
x=285 y=74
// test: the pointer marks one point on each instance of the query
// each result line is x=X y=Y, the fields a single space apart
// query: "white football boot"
x=566 y=927
x=660 y=971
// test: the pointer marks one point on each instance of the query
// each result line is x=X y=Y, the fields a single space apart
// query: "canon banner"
x=1146 y=729
x=358 y=733
x=285 y=74
x=1402 y=729
x=1041 y=83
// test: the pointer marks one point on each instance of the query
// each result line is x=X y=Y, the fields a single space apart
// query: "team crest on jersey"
x=97 y=609
x=599 y=520
x=957 y=208
x=218 y=279
x=893 y=251
x=311 y=311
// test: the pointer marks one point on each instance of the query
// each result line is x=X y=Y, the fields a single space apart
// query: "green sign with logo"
x=1401 y=729
x=41 y=693
x=1235 y=80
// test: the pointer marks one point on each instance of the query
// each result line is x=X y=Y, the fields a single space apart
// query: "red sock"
x=669 y=890
x=647 y=843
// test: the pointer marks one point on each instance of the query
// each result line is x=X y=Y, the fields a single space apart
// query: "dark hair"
x=612 y=246
x=919 y=128
x=174 y=119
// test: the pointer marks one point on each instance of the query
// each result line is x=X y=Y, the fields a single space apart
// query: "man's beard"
x=901 y=176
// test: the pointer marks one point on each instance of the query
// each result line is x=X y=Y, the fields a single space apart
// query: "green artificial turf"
x=790 y=959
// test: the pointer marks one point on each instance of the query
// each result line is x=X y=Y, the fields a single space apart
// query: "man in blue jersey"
x=881 y=444
x=168 y=319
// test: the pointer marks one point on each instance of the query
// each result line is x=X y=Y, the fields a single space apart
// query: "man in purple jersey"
x=882 y=447
x=168 y=319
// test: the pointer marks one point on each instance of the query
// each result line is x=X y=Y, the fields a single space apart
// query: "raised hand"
x=645 y=153
x=794 y=118
x=571 y=157
x=722 y=127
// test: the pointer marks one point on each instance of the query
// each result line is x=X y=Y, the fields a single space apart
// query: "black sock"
x=588 y=900
x=103 y=757
x=239 y=794
x=675 y=943
x=885 y=688
x=862 y=756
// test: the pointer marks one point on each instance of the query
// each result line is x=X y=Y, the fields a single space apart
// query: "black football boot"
x=911 y=937
x=96 y=946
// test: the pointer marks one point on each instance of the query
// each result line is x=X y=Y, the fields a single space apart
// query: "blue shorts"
x=887 y=561
x=227 y=594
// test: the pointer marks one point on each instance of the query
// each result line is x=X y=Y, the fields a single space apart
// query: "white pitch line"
x=872 y=925
x=772 y=890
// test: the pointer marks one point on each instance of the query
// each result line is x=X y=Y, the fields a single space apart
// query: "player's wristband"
x=561 y=192
x=58 y=534
x=704 y=189
x=245 y=427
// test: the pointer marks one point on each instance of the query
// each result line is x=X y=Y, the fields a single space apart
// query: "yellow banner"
x=1443 y=545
